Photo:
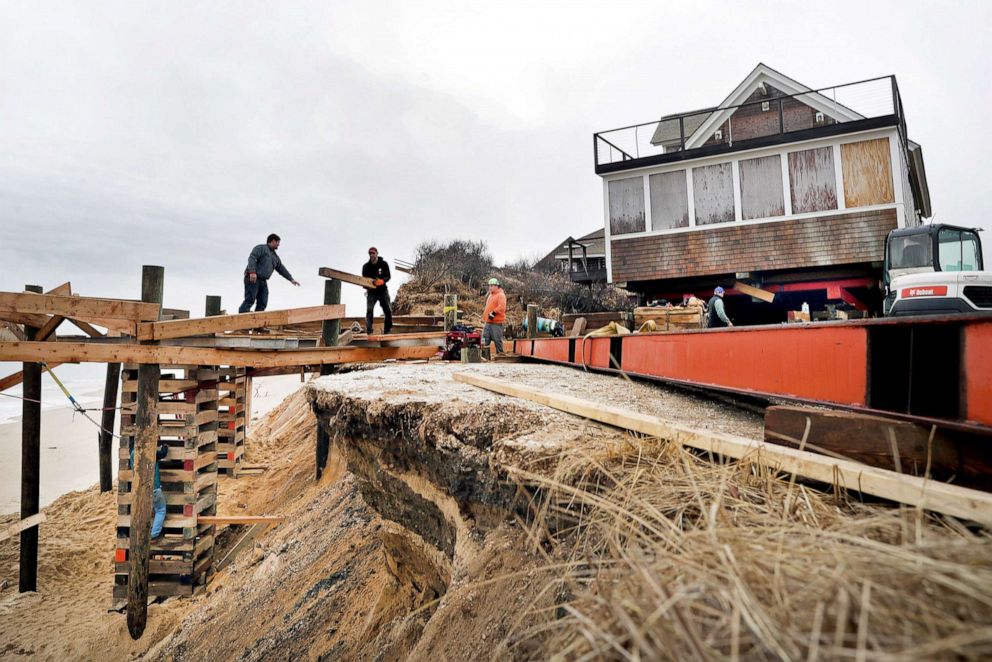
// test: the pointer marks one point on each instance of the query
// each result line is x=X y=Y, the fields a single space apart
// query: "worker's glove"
x=379 y=282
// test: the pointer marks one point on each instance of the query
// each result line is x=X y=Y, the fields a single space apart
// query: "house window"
x=713 y=193
x=761 y=187
x=812 y=180
x=669 y=200
x=626 y=205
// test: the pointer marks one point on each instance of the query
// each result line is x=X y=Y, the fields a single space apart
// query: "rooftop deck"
x=769 y=117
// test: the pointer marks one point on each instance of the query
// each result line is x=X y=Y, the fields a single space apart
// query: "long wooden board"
x=756 y=292
x=83 y=352
x=84 y=307
x=931 y=495
x=222 y=520
x=220 y=323
x=20 y=525
x=346 y=277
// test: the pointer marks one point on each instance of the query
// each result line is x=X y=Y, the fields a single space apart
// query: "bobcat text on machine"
x=935 y=270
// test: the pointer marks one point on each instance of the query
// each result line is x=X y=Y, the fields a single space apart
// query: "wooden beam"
x=123 y=326
x=22 y=525
x=940 y=497
x=226 y=520
x=16 y=378
x=85 y=352
x=27 y=319
x=86 y=328
x=756 y=292
x=63 y=290
x=236 y=322
x=346 y=277
x=80 y=307
x=46 y=332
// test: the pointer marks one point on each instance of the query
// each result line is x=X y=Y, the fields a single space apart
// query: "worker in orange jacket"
x=494 y=316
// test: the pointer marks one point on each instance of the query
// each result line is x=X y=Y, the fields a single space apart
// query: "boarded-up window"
x=761 y=187
x=812 y=180
x=867 y=173
x=669 y=201
x=627 y=205
x=713 y=193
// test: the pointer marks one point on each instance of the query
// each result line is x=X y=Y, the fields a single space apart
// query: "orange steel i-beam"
x=932 y=368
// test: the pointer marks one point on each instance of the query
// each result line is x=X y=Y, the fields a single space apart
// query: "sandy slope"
x=68 y=617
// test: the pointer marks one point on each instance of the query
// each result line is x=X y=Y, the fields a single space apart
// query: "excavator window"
x=910 y=251
x=958 y=250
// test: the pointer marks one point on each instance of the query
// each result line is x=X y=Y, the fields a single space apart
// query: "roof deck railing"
x=875 y=101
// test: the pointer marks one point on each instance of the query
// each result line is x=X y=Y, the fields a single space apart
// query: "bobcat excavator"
x=935 y=270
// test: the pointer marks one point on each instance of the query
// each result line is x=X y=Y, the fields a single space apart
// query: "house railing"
x=871 y=99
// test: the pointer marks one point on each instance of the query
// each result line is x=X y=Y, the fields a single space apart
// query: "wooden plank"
x=225 y=520
x=81 y=352
x=64 y=290
x=930 y=495
x=27 y=319
x=84 y=307
x=578 y=327
x=756 y=292
x=22 y=525
x=236 y=322
x=122 y=326
x=346 y=277
x=867 y=173
x=885 y=442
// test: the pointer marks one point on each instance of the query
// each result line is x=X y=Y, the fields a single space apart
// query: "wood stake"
x=531 y=320
x=146 y=439
x=330 y=330
x=30 y=464
x=106 y=434
x=450 y=311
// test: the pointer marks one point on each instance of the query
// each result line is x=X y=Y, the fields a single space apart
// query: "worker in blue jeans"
x=158 y=497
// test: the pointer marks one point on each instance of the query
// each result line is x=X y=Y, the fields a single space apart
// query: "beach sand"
x=69 y=450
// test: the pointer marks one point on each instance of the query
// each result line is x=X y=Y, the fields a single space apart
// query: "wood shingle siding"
x=867 y=173
x=713 y=193
x=669 y=201
x=809 y=242
x=761 y=187
x=812 y=180
x=627 y=205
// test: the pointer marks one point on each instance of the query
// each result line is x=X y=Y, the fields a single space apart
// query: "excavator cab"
x=928 y=249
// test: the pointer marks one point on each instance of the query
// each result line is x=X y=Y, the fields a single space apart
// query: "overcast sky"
x=180 y=134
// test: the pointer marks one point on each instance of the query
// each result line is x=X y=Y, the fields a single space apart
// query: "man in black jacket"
x=377 y=269
x=262 y=261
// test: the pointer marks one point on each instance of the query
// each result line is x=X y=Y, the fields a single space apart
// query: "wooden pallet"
x=232 y=386
x=180 y=561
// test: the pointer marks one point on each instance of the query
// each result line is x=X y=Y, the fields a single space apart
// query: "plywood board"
x=713 y=193
x=812 y=180
x=669 y=200
x=626 y=205
x=867 y=173
x=761 y=187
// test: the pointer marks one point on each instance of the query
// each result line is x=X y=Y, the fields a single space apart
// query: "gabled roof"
x=595 y=243
x=699 y=125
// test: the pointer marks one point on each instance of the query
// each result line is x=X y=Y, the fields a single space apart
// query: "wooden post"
x=30 y=463
x=329 y=331
x=106 y=434
x=450 y=311
x=145 y=441
x=213 y=306
x=531 y=320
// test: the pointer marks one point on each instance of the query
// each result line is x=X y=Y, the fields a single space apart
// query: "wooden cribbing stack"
x=232 y=409
x=181 y=558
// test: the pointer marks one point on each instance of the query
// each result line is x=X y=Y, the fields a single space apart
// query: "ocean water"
x=84 y=381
